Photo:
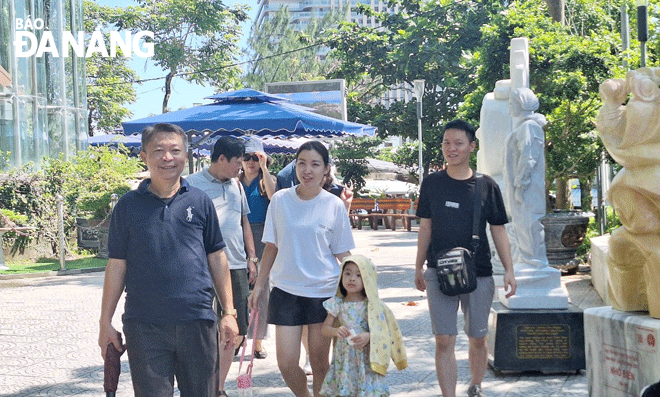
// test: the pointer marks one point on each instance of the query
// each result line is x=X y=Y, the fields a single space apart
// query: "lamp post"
x=419 y=93
x=642 y=29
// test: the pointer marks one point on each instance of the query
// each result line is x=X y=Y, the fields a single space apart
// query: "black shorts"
x=240 y=292
x=288 y=309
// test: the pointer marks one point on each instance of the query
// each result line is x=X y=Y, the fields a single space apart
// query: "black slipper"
x=239 y=346
x=260 y=354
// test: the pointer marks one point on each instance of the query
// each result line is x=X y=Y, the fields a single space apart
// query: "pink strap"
x=254 y=318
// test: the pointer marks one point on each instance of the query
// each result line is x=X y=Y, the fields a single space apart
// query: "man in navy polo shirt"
x=166 y=250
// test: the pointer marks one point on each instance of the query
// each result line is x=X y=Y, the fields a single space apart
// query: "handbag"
x=455 y=267
x=244 y=381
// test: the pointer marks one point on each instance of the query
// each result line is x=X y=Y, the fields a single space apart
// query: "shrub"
x=86 y=184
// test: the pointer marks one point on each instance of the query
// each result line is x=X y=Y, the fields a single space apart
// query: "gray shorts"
x=475 y=305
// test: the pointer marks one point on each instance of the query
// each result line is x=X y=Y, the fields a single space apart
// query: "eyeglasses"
x=248 y=157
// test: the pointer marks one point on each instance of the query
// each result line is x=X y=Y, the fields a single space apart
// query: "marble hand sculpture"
x=631 y=134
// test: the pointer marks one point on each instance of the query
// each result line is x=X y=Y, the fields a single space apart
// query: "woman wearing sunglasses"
x=259 y=187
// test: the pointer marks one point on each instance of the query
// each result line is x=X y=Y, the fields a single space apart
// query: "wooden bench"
x=396 y=208
x=355 y=214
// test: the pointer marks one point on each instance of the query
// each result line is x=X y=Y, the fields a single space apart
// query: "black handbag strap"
x=478 y=187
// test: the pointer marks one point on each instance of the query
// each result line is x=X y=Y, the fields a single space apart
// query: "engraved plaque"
x=543 y=341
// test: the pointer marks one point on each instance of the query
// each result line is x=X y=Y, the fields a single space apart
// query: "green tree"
x=352 y=154
x=567 y=64
x=193 y=39
x=109 y=79
x=425 y=39
x=281 y=53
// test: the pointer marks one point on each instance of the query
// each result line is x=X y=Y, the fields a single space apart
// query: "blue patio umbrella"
x=250 y=112
x=131 y=141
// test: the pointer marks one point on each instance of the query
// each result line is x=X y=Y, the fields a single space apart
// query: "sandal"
x=260 y=354
x=239 y=347
x=222 y=393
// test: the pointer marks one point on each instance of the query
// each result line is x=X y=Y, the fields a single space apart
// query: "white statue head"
x=522 y=100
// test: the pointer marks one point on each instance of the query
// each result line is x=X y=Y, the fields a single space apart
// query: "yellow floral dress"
x=350 y=373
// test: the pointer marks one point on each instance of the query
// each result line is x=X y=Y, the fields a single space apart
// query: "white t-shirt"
x=307 y=233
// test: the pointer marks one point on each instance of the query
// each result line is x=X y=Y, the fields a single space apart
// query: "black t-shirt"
x=449 y=203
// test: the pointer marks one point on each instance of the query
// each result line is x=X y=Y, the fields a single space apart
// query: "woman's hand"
x=263 y=160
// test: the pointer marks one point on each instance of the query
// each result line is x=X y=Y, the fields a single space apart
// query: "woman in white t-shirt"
x=307 y=233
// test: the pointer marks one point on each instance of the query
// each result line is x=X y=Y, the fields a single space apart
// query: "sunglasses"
x=248 y=157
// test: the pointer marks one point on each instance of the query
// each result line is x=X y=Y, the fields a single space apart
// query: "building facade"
x=43 y=111
x=303 y=11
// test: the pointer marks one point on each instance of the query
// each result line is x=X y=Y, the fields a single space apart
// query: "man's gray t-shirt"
x=230 y=205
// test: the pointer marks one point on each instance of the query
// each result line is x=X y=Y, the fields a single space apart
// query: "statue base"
x=548 y=341
x=538 y=288
x=622 y=350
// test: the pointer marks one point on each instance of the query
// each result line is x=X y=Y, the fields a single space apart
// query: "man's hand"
x=228 y=331
x=108 y=334
x=510 y=283
x=420 y=283
x=252 y=272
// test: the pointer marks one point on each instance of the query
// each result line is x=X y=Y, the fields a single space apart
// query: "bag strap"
x=478 y=187
x=254 y=318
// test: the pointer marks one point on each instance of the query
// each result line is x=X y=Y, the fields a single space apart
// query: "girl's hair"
x=341 y=279
x=318 y=147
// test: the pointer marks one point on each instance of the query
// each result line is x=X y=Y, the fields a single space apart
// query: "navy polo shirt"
x=165 y=243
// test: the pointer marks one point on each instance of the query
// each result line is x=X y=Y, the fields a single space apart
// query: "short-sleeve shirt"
x=258 y=203
x=165 y=243
x=449 y=203
x=230 y=205
x=307 y=233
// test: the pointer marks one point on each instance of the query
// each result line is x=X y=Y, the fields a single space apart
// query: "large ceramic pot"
x=564 y=232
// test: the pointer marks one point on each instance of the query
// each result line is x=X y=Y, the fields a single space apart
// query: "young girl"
x=365 y=331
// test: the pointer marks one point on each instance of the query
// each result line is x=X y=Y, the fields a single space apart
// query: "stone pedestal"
x=600 y=275
x=622 y=351
x=549 y=341
x=537 y=289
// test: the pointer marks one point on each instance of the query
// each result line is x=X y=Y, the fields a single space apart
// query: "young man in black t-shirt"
x=446 y=208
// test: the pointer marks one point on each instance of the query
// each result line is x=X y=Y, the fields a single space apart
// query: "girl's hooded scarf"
x=386 y=340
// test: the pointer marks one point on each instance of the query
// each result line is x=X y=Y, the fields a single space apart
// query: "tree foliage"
x=109 y=79
x=33 y=194
x=193 y=39
x=281 y=53
x=351 y=155
x=567 y=64
x=423 y=40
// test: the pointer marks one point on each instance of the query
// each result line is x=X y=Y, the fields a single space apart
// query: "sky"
x=150 y=94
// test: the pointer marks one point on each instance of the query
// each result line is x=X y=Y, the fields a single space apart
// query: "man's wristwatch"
x=255 y=260
x=230 y=312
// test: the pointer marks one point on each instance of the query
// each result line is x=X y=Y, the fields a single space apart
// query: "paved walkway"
x=49 y=329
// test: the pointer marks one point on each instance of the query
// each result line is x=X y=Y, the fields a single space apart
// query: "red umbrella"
x=112 y=369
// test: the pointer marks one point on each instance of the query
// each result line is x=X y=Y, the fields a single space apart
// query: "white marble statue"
x=494 y=126
x=539 y=285
x=631 y=134
x=524 y=172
